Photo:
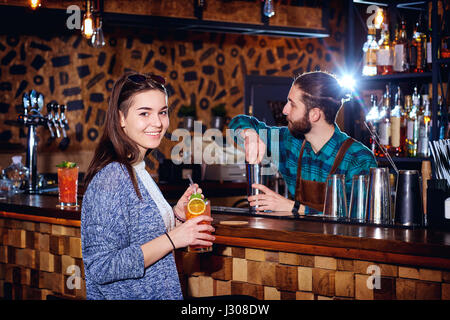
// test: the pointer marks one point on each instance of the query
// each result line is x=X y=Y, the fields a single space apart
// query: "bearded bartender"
x=311 y=147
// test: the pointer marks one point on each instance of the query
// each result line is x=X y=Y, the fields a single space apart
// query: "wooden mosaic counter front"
x=268 y=258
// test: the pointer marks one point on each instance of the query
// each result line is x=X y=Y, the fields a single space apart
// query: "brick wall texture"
x=38 y=259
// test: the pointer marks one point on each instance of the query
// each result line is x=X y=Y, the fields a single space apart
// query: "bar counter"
x=277 y=257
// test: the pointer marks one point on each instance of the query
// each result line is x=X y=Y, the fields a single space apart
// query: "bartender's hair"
x=114 y=145
x=321 y=90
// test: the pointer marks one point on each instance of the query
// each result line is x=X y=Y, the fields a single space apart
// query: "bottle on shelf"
x=428 y=52
x=385 y=54
x=384 y=126
x=373 y=117
x=401 y=50
x=445 y=36
x=370 y=49
x=405 y=114
x=416 y=49
x=397 y=130
x=412 y=129
x=424 y=128
x=441 y=114
x=428 y=44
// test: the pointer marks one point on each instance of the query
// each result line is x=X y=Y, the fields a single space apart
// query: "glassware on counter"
x=17 y=173
x=67 y=184
x=6 y=188
x=358 y=198
x=335 y=197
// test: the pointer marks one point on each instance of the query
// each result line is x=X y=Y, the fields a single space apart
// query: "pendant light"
x=34 y=4
x=87 y=29
x=98 y=39
x=269 y=11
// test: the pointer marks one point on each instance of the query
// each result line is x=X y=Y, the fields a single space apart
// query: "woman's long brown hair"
x=114 y=144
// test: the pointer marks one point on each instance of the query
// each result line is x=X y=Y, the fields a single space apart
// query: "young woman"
x=128 y=229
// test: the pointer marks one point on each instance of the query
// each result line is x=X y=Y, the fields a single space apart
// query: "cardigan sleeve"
x=107 y=253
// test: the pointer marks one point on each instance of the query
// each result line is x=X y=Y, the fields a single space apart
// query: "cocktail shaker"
x=358 y=198
x=408 y=204
x=255 y=174
x=379 y=197
x=335 y=205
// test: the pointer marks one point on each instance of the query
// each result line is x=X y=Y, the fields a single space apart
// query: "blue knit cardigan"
x=114 y=224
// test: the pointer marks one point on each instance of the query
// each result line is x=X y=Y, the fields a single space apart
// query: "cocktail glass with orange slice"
x=194 y=208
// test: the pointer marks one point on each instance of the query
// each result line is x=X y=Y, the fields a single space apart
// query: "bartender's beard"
x=299 y=128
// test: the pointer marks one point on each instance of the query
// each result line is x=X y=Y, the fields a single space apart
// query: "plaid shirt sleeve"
x=283 y=147
x=358 y=159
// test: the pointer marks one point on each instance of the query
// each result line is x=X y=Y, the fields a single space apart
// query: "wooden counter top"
x=418 y=246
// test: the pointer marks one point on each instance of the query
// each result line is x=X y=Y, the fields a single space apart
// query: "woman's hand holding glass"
x=181 y=204
x=192 y=231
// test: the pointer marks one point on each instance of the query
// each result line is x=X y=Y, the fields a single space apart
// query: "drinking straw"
x=191 y=183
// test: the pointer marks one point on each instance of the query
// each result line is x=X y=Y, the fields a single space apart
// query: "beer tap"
x=31 y=117
x=55 y=119
x=26 y=105
x=50 y=119
x=63 y=120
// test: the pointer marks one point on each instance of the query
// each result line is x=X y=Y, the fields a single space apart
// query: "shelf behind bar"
x=403 y=159
x=397 y=76
x=444 y=61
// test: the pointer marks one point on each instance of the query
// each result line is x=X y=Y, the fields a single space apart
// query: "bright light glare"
x=88 y=27
x=379 y=19
x=34 y=4
x=347 y=81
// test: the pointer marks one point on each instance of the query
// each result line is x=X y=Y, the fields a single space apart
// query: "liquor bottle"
x=424 y=128
x=385 y=55
x=374 y=118
x=405 y=114
x=401 y=58
x=416 y=49
x=441 y=114
x=445 y=36
x=384 y=127
x=428 y=52
x=412 y=129
x=370 y=49
x=397 y=134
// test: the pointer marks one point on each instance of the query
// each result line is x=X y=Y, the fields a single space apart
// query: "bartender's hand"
x=255 y=148
x=269 y=200
x=181 y=204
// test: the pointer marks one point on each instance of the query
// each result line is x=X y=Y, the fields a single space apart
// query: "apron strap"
x=299 y=166
x=341 y=153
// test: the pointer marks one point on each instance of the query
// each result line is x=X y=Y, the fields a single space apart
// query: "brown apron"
x=312 y=193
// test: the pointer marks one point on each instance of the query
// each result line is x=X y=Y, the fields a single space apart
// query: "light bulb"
x=35 y=4
x=88 y=26
x=98 y=39
x=268 y=8
x=379 y=19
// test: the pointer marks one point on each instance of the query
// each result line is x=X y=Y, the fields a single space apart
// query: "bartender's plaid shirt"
x=315 y=167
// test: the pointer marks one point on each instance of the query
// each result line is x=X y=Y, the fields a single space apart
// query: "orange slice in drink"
x=196 y=206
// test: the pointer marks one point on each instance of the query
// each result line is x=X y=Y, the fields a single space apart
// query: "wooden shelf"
x=46 y=19
x=397 y=77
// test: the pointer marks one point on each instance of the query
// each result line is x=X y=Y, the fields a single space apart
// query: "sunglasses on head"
x=139 y=78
